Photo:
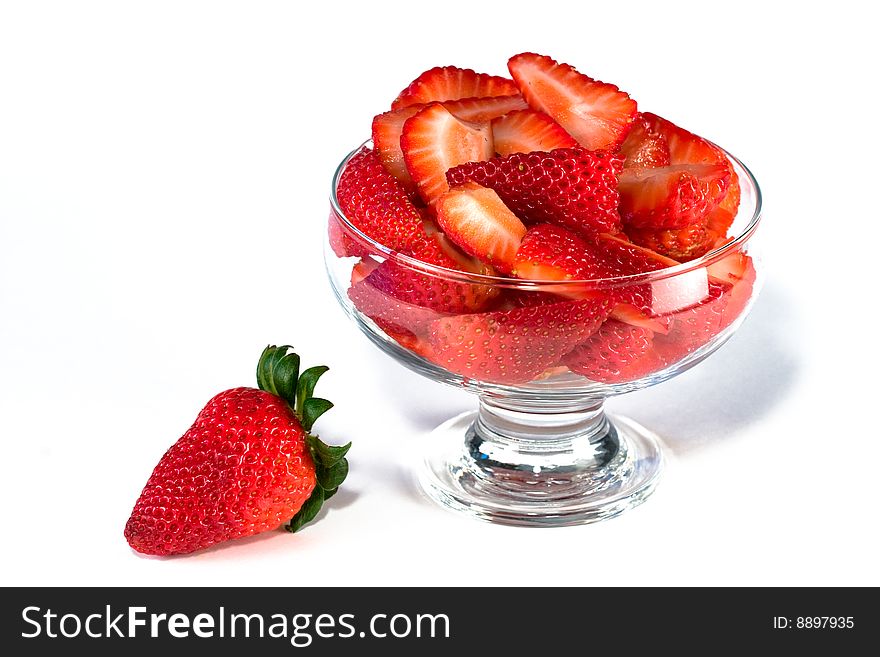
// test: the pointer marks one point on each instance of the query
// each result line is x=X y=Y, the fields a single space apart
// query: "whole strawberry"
x=247 y=465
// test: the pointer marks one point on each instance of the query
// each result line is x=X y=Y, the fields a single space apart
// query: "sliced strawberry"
x=669 y=197
x=596 y=114
x=383 y=297
x=452 y=83
x=404 y=300
x=687 y=148
x=476 y=219
x=434 y=141
x=552 y=253
x=643 y=147
x=477 y=110
x=684 y=147
x=567 y=186
x=374 y=201
x=616 y=353
x=514 y=346
x=526 y=130
x=387 y=129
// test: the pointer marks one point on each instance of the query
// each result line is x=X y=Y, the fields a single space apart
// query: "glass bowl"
x=540 y=450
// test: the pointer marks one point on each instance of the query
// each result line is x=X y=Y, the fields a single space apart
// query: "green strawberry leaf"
x=331 y=478
x=285 y=374
x=314 y=408
x=327 y=455
x=306 y=385
x=308 y=511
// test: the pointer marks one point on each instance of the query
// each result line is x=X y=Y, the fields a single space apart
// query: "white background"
x=164 y=173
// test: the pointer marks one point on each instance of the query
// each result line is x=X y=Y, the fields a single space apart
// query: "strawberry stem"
x=278 y=373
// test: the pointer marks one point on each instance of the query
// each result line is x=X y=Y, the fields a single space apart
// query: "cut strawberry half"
x=670 y=197
x=571 y=187
x=596 y=114
x=451 y=83
x=616 y=353
x=476 y=219
x=375 y=202
x=434 y=141
x=526 y=130
x=514 y=346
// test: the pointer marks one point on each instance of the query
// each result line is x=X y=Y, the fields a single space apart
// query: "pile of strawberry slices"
x=550 y=176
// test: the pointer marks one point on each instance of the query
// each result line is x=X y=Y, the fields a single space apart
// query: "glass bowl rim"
x=410 y=262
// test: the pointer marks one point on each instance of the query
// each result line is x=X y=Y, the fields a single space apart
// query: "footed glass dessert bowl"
x=542 y=356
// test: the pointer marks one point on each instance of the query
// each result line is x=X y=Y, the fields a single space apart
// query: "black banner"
x=402 y=620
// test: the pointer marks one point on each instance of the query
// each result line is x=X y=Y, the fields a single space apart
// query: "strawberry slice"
x=676 y=196
x=514 y=346
x=526 y=130
x=596 y=114
x=402 y=301
x=434 y=141
x=616 y=353
x=684 y=148
x=551 y=253
x=643 y=146
x=452 y=83
x=567 y=186
x=375 y=202
x=388 y=127
x=478 y=221
x=477 y=110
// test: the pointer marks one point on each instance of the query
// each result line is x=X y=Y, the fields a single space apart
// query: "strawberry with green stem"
x=248 y=464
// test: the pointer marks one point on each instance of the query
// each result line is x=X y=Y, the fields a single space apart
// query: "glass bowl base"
x=584 y=480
